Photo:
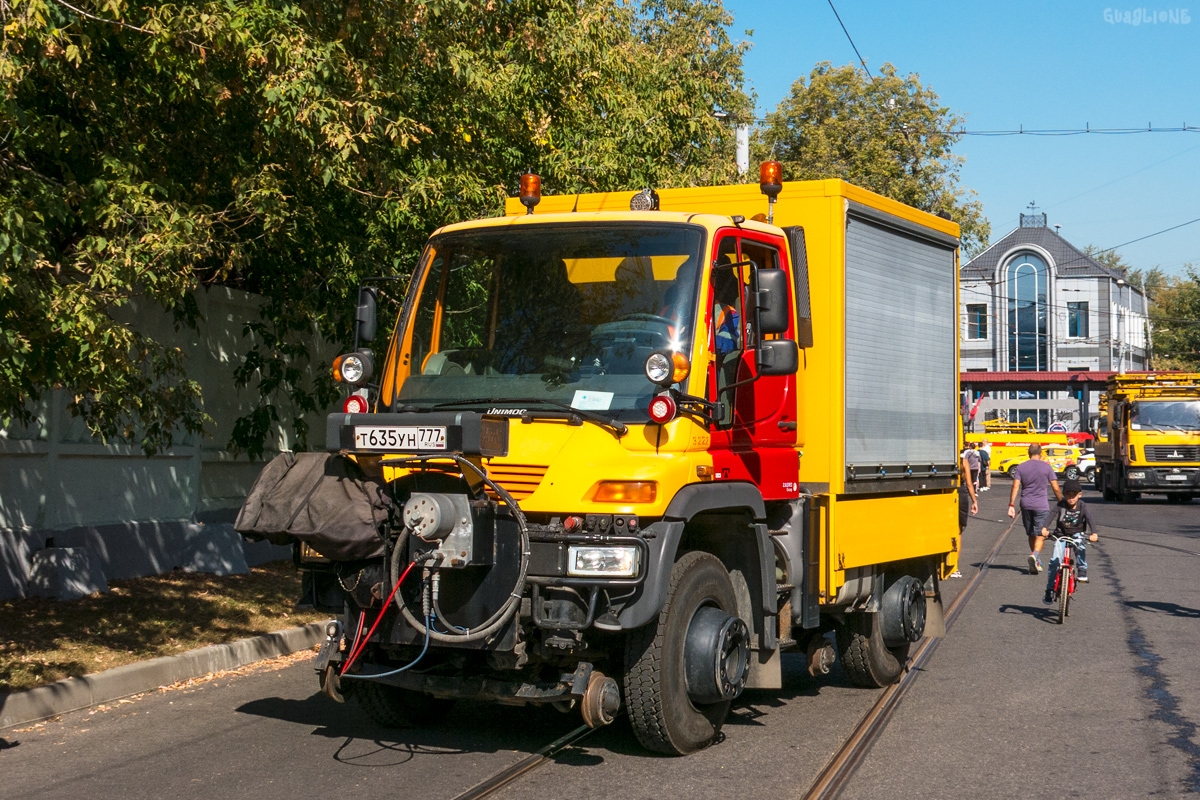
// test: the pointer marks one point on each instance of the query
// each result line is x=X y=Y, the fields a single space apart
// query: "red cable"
x=386 y=604
x=362 y=615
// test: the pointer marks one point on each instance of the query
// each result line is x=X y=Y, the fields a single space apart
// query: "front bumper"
x=1167 y=480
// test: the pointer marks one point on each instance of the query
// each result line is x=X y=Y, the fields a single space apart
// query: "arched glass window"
x=1028 y=314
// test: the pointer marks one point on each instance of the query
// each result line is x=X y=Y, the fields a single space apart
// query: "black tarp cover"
x=322 y=499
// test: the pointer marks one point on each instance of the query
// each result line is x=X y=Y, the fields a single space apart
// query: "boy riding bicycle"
x=1074 y=522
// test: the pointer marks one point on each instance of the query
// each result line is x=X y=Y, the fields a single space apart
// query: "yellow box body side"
x=875 y=530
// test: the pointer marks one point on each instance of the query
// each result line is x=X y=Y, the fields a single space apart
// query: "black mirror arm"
x=697 y=406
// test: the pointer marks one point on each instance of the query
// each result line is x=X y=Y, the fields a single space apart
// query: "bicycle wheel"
x=1064 y=593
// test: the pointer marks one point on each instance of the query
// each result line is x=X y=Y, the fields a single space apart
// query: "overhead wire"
x=1123 y=177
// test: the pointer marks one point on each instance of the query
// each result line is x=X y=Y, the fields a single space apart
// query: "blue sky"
x=1041 y=65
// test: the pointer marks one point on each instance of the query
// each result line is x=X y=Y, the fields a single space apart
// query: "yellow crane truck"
x=1149 y=437
x=625 y=449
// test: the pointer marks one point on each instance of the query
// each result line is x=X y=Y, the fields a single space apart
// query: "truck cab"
x=1151 y=437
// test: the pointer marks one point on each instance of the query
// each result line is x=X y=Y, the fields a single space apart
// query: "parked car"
x=1068 y=461
x=1086 y=465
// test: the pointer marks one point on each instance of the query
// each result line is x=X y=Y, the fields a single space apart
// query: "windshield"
x=1165 y=415
x=565 y=314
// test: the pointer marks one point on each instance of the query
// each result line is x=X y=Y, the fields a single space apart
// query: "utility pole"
x=743 y=148
x=1149 y=327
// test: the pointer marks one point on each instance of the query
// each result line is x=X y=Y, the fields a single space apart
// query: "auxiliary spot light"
x=645 y=200
x=353 y=368
x=663 y=368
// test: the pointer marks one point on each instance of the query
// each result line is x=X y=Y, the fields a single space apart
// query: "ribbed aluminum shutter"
x=901 y=379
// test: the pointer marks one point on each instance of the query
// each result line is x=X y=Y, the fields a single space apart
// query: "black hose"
x=510 y=607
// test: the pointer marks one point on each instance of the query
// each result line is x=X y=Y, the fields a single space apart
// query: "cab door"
x=754 y=437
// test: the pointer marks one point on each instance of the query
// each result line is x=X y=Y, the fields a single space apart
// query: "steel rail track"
x=531 y=762
x=842 y=765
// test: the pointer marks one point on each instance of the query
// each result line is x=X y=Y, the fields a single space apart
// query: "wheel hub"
x=902 y=612
x=716 y=656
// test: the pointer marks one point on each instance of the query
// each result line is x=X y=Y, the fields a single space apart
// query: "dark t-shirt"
x=1073 y=521
x=1035 y=476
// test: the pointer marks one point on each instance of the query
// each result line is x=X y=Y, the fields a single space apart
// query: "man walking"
x=1032 y=479
x=971 y=456
x=985 y=466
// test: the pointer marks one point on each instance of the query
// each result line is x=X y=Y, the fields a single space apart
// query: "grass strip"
x=46 y=640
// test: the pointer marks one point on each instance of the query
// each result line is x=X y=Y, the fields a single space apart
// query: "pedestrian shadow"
x=1173 y=609
x=1044 y=613
x=1010 y=568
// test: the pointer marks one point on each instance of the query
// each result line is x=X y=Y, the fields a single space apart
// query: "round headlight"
x=353 y=368
x=660 y=369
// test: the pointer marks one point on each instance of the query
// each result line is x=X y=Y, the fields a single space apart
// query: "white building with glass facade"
x=1033 y=302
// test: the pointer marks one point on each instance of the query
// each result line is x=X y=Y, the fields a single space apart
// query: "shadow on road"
x=470 y=728
x=1024 y=570
x=1173 y=609
x=487 y=728
x=1044 y=613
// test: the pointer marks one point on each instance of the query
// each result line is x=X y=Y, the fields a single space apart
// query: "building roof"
x=989 y=381
x=1069 y=261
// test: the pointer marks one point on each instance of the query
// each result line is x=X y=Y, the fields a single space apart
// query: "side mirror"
x=772 y=300
x=364 y=315
x=778 y=357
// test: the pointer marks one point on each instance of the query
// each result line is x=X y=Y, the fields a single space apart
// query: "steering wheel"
x=645 y=318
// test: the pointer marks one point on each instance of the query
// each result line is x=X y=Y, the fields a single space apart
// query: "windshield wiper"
x=620 y=429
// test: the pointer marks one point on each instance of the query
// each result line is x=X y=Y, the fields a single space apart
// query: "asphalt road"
x=1011 y=703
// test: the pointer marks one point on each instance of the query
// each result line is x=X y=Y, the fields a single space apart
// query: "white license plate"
x=1177 y=477
x=399 y=437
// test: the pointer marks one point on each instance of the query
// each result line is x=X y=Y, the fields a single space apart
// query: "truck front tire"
x=665 y=719
x=869 y=662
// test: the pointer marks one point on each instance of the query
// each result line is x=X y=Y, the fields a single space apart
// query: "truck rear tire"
x=665 y=718
x=868 y=662
x=393 y=707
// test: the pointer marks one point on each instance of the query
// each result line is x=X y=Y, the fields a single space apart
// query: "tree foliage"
x=1175 y=317
x=292 y=148
x=1174 y=309
x=889 y=134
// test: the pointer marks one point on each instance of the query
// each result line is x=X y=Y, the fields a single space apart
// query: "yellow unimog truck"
x=624 y=449
x=1149 y=437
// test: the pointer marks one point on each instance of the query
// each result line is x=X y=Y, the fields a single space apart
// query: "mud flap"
x=935 y=616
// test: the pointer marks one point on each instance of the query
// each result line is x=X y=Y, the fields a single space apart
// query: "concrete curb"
x=74 y=694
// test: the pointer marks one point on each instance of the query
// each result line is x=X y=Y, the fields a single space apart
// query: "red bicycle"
x=1065 y=578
